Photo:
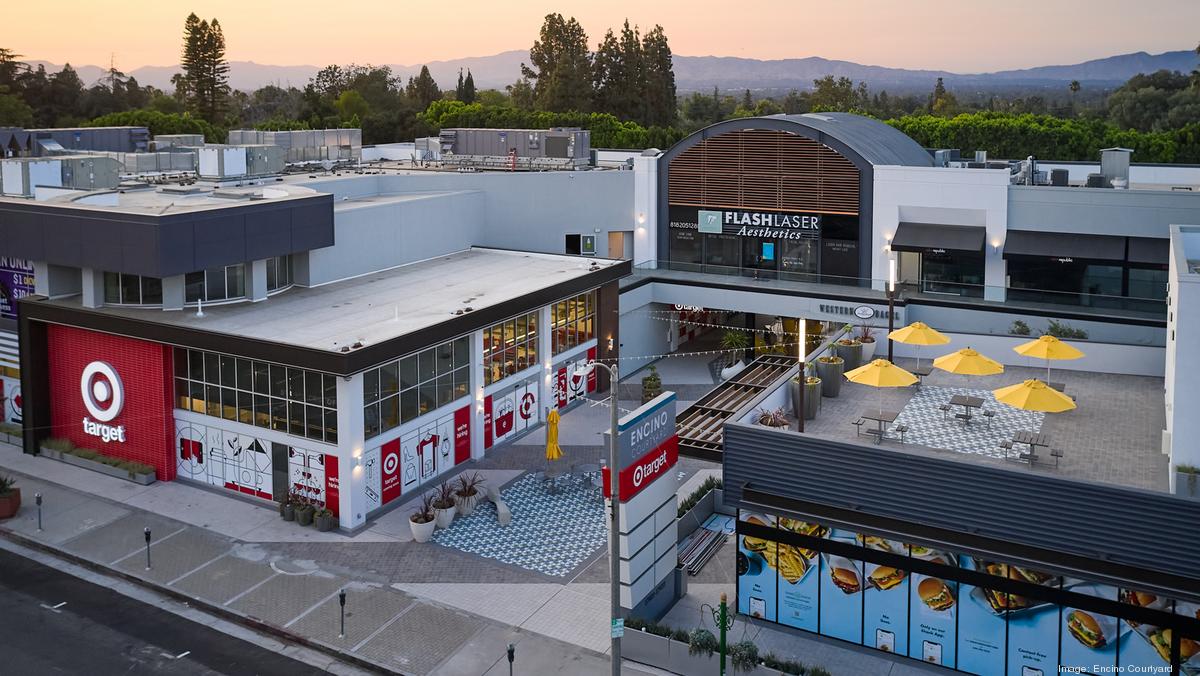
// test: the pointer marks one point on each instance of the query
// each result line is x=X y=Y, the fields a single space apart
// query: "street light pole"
x=802 y=339
x=614 y=538
x=891 y=294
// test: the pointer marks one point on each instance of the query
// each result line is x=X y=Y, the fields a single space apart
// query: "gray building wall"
x=527 y=211
x=383 y=233
x=1100 y=211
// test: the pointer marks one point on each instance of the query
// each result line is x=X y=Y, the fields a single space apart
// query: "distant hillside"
x=705 y=72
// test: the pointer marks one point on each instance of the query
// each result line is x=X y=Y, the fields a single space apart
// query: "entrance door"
x=620 y=244
x=279 y=471
x=760 y=257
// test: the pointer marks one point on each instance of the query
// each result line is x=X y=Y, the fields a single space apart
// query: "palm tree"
x=1074 y=87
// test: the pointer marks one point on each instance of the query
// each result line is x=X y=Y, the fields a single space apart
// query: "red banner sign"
x=462 y=434
x=390 y=458
x=331 y=484
x=646 y=469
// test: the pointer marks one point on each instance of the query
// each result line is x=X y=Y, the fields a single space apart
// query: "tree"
x=205 y=70
x=796 y=102
x=560 y=66
x=351 y=104
x=423 y=90
x=521 y=94
x=468 y=88
x=458 y=88
x=618 y=76
x=13 y=112
x=658 y=77
x=747 y=100
x=837 y=94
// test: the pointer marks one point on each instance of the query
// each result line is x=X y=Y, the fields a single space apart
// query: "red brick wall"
x=146 y=374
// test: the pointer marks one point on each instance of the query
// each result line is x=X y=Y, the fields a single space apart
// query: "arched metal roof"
x=865 y=138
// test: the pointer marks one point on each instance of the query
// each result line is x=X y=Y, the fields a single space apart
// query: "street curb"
x=206 y=606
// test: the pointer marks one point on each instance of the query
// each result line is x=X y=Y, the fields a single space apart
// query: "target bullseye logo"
x=390 y=462
x=103 y=397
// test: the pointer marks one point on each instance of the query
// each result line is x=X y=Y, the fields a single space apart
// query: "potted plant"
x=324 y=520
x=866 y=336
x=735 y=343
x=443 y=505
x=829 y=370
x=744 y=656
x=1019 y=328
x=466 y=494
x=812 y=397
x=304 y=512
x=850 y=349
x=651 y=385
x=423 y=520
x=10 y=497
x=287 y=508
x=1187 y=481
x=773 y=417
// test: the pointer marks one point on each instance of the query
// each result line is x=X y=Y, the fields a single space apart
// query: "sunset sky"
x=955 y=35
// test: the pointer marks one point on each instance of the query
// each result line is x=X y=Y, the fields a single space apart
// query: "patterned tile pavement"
x=929 y=426
x=535 y=539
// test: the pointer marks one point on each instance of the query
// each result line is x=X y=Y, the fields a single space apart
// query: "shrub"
x=1187 y=469
x=10 y=429
x=1019 y=328
x=1064 y=330
x=773 y=418
x=6 y=484
x=743 y=655
x=694 y=498
x=679 y=635
x=702 y=642
x=85 y=453
x=635 y=623
x=59 y=444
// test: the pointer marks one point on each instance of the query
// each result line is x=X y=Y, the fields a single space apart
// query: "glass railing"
x=1010 y=298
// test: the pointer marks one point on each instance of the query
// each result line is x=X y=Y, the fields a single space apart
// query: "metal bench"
x=1030 y=457
x=1057 y=454
x=945 y=409
x=901 y=429
x=989 y=414
x=858 y=426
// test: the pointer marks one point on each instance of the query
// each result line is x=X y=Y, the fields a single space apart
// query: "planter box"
x=695 y=517
x=682 y=662
x=642 y=646
x=830 y=374
x=1187 y=485
x=852 y=354
x=137 y=478
x=10 y=502
x=14 y=439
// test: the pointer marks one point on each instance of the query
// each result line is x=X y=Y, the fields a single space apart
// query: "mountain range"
x=700 y=73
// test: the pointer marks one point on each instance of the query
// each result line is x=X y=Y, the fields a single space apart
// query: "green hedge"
x=690 y=501
x=607 y=130
x=161 y=123
x=65 y=446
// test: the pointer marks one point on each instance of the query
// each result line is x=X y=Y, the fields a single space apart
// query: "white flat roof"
x=383 y=305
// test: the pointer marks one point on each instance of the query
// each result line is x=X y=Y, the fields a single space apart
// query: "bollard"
x=512 y=652
x=147 y=547
x=37 y=497
x=342 y=603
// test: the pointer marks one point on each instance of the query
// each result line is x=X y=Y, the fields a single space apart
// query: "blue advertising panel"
x=933 y=634
x=1145 y=648
x=1089 y=639
x=1032 y=626
x=841 y=593
x=757 y=578
x=885 y=600
x=981 y=626
x=798 y=577
x=16 y=281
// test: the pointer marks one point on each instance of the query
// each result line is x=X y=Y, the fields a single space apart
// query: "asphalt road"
x=98 y=631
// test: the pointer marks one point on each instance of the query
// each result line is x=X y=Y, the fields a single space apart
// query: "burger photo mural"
x=756 y=562
x=1089 y=638
x=934 y=601
x=1148 y=647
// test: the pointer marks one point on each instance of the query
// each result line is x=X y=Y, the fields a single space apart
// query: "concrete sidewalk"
x=226 y=556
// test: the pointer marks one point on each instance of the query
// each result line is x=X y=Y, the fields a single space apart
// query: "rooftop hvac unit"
x=20 y=177
x=1096 y=181
x=1114 y=164
x=1060 y=177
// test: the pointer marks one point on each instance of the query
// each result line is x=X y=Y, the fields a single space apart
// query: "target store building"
x=355 y=394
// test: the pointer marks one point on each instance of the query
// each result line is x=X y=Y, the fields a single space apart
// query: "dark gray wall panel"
x=220 y=240
x=268 y=233
x=139 y=249
x=101 y=244
x=312 y=227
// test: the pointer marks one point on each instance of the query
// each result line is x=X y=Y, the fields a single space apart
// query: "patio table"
x=881 y=418
x=967 y=403
x=920 y=372
x=1033 y=440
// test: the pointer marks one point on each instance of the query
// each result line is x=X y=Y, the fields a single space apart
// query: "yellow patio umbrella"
x=1048 y=347
x=553 y=452
x=880 y=373
x=918 y=333
x=1034 y=395
x=968 y=362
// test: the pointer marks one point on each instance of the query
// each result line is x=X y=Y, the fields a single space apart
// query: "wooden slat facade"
x=764 y=169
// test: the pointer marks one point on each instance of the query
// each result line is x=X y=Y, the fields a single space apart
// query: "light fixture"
x=610 y=344
x=891 y=275
x=641 y=218
x=995 y=246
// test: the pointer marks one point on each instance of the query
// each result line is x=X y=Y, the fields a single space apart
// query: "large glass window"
x=407 y=388
x=687 y=249
x=122 y=289
x=215 y=284
x=510 y=347
x=296 y=401
x=574 y=322
x=279 y=272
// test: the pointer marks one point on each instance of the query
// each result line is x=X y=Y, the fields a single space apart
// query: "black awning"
x=1033 y=244
x=924 y=237
x=1151 y=250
